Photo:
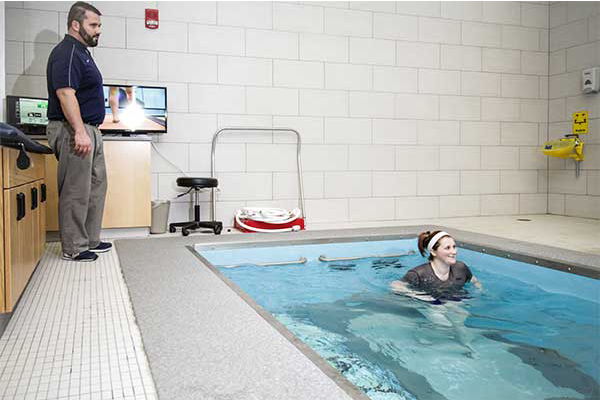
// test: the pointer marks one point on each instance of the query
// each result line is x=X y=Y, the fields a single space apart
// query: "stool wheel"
x=172 y=229
x=185 y=232
x=218 y=228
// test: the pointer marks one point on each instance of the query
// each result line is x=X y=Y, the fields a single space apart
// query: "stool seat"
x=197 y=182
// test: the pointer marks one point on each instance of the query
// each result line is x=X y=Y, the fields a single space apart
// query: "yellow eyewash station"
x=567 y=147
x=571 y=146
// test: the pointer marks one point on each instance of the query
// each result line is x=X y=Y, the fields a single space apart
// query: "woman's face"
x=446 y=251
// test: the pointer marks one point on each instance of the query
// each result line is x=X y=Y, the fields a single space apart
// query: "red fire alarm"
x=151 y=18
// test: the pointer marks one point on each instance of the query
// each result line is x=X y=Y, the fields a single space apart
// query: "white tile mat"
x=74 y=336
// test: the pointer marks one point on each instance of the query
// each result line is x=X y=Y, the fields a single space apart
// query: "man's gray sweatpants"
x=81 y=187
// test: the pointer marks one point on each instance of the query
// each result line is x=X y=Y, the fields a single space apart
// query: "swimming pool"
x=531 y=333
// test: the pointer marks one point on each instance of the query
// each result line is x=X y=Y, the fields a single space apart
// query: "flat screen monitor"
x=29 y=114
x=134 y=109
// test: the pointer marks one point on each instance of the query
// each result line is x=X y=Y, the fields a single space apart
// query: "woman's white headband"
x=435 y=239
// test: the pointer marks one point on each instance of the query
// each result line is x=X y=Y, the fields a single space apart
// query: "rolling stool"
x=196 y=184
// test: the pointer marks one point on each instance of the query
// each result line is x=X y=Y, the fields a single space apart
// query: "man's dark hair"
x=77 y=12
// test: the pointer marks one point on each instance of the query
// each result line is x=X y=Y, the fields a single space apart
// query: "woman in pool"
x=442 y=276
x=440 y=279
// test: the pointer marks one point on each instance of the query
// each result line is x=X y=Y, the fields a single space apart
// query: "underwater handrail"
x=302 y=260
x=326 y=259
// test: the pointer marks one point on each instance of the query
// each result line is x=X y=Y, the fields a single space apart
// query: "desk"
x=129 y=194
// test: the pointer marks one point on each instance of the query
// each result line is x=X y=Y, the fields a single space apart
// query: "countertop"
x=109 y=137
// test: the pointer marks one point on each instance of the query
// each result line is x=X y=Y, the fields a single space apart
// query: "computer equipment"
x=28 y=114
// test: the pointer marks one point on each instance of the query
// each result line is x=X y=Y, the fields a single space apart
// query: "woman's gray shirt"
x=423 y=277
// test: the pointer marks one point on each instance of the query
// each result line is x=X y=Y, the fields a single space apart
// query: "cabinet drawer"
x=14 y=176
x=20 y=241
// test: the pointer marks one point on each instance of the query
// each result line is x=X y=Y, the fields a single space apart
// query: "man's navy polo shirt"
x=71 y=65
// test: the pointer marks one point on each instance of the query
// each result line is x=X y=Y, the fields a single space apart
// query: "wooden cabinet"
x=52 y=192
x=129 y=192
x=2 y=263
x=13 y=176
x=23 y=224
x=19 y=242
x=43 y=195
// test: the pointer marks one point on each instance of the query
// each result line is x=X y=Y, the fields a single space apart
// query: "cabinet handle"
x=34 y=198
x=20 y=206
x=43 y=193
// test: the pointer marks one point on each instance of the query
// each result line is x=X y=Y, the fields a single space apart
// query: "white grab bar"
x=326 y=259
x=302 y=260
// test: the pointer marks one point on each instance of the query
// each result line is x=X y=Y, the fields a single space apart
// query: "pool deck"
x=147 y=320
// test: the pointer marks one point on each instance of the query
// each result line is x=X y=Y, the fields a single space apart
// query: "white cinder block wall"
x=406 y=109
x=574 y=46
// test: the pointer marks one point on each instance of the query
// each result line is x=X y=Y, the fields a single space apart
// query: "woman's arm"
x=401 y=287
x=476 y=282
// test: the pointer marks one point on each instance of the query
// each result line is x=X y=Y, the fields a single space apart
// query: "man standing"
x=75 y=110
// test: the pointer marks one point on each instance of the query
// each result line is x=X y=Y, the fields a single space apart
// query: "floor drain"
x=524 y=219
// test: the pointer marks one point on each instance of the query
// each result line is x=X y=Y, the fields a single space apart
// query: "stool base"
x=216 y=226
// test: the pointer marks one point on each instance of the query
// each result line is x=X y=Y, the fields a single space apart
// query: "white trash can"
x=160 y=216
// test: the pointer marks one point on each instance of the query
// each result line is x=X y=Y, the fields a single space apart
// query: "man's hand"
x=83 y=144
x=70 y=107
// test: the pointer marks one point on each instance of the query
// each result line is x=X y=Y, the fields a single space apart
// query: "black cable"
x=183 y=194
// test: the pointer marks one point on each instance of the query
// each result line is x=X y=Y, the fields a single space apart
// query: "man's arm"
x=70 y=107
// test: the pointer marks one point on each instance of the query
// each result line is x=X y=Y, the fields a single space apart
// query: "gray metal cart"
x=298 y=148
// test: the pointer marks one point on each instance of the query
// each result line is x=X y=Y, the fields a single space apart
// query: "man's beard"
x=91 y=41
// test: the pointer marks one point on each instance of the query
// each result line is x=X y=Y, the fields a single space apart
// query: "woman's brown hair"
x=423 y=241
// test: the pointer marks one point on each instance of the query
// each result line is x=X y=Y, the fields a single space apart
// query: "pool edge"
x=564 y=260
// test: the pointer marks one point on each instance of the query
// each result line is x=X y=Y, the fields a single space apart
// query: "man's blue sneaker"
x=103 y=247
x=84 y=256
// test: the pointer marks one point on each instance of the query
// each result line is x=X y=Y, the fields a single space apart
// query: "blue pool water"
x=530 y=333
